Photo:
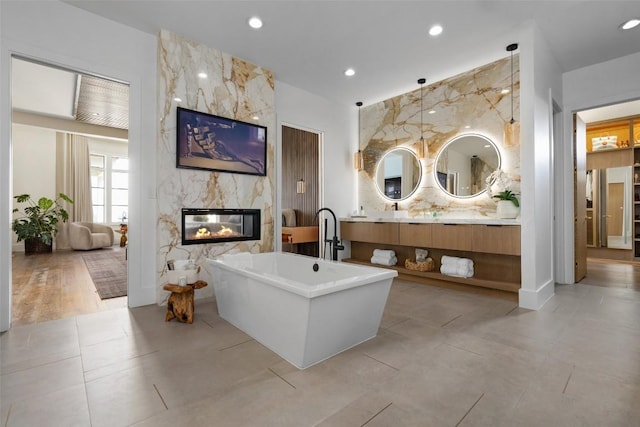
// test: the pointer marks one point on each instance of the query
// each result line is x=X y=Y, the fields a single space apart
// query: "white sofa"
x=84 y=236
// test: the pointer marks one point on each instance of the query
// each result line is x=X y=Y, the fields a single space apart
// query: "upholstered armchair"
x=85 y=236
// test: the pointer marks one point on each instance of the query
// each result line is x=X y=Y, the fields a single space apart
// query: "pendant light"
x=423 y=148
x=358 y=158
x=512 y=128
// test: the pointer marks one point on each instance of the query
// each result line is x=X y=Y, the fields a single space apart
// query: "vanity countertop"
x=437 y=220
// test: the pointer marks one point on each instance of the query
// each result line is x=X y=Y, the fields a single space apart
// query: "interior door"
x=580 y=197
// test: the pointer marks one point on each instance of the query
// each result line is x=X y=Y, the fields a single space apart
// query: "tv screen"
x=215 y=143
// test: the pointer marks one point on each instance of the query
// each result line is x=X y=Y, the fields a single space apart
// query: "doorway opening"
x=69 y=135
x=301 y=191
x=609 y=237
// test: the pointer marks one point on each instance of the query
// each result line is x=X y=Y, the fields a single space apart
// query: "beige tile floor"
x=442 y=358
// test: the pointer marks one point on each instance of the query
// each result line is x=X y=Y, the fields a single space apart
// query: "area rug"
x=108 y=270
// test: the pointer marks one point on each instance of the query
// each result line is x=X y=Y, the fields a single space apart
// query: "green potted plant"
x=508 y=204
x=39 y=222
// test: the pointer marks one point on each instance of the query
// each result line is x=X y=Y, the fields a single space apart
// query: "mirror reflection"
x=464 y=163
x=609 y=208
x=398 y=174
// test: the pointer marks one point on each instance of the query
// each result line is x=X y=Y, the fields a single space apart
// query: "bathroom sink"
x=390 y=214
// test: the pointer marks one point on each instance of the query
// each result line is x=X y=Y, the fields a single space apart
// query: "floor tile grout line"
x=281 y=377
x=380 y=361
x=455 y=318
x=470 y=409
x=511 y=311
x=376 y=414
x=161 y=398
x=236 y=345
x=40 y=365
x=463 y=349
x=568 y=379
x=6 y=422
x=116 y=363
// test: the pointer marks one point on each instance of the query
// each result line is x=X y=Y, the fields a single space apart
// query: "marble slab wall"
x=235 y=89
x=471 y=102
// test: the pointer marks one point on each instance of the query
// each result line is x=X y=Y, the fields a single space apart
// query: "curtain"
x=73 y=178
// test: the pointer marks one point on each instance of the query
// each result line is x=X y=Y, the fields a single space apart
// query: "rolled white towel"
x=384 y=260
x=446 y=259
x=383 y=253
x=452 y=270
x=461 y=263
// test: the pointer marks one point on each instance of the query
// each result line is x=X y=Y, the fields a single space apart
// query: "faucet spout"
x=334 y=242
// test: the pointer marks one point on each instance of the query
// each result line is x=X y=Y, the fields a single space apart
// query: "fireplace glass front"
x=219 y=225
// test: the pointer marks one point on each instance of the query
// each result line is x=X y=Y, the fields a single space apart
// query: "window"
x=109 y=188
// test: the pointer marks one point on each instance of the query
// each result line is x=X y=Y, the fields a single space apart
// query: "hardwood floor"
x=614 y=274
x=54 y=286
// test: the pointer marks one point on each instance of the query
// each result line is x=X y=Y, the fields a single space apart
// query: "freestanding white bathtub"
x=304 y=316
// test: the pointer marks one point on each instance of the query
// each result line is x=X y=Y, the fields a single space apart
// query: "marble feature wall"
x=471 y=102
x=233 y=88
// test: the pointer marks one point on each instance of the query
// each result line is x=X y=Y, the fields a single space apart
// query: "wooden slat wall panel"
x=300 y=160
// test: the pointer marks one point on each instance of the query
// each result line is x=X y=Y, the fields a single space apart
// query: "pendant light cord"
x=510 y=49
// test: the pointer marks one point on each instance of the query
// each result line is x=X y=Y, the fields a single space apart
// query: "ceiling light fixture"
x=512 y=128
x=255 y=22
x=358 y=158
x=202 y=75
x=177 y=99
x=349 y=72
x=432 y=111
x=505 y=91
x=631 y=23
x=435 y=30
x=423 y=148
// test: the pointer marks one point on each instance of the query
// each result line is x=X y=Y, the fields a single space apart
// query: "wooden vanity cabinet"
x=415 y=234
x=495 y=249
x=496 y=239
x=371 y=232
x=452 y=236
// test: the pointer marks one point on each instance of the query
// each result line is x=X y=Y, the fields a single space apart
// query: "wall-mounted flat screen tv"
x=215 y=143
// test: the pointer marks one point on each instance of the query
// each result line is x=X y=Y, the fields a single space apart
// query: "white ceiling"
x=308 y=44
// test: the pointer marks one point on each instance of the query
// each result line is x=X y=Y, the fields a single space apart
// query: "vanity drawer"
x=418 y=235
x=496 y=239
x=451 y=236
x=372 y=232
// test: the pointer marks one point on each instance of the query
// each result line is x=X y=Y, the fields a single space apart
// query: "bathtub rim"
x=370 y=275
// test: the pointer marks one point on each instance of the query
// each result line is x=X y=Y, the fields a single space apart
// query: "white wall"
x=540 y=80
x=338 y=126
x=601 y=84
x=34 y=166
x=60 y=34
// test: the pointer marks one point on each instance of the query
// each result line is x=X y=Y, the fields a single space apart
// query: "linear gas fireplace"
x=219 y=225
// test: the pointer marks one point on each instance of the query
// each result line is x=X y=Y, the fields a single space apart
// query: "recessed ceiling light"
x=436 y=30
x=349 y=72
x=487 y=146
x=255 y=118
x=202 y=75
x=467 y=127
x=177 y=99
x=255 y=22
x=95 y=114
x=432 y=111
x=631 y=23
x=504 y=91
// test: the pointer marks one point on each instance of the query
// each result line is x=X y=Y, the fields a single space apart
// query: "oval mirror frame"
x=398 y=186
x=461 y=183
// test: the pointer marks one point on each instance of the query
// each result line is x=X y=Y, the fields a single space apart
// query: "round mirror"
x=398 y=174
x=464 y=163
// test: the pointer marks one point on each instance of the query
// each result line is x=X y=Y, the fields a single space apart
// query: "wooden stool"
x=180 y=303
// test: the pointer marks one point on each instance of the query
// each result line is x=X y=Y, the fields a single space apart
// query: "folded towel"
x=452 y=270
x=383 y=253
x=460 y=263
x=384 y=260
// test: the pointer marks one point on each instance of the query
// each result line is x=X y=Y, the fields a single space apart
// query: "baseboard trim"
x=535 y=299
